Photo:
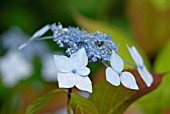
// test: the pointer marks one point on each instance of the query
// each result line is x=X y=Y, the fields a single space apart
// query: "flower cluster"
x=98 y=45
x=84 y=47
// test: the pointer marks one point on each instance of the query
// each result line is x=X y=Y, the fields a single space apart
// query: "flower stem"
x=68 y=101
x=130 y=64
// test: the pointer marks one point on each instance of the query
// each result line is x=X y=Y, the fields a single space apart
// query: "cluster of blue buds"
x=98 y=45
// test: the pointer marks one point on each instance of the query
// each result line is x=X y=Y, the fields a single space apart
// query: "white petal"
x=62 y=63
x=135 y=55
x=84 y=71
x=79 y=59
x=66 y=80
x=128 y=80
x=116 y=62
x=112 y=77
x=146 y=76
x=42 y=31
x=83 y=83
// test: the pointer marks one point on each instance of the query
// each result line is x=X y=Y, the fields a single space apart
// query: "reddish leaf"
x=115 y=100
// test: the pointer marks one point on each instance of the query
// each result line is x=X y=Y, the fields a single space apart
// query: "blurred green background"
x=143 y=23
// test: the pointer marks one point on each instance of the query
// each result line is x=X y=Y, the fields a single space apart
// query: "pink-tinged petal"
x=116 y=62
x=135 y=55
x=112 y=77
x=79 y=59
x=146 y=76
x=128 y=80
x=84 y=83
x=84 y=71
x=62 y=63
x=66 y=80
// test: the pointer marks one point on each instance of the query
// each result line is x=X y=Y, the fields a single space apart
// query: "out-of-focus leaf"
x=150 y=25
x=93 y=10
x=162 y=62
x=34 y=107
x=115 y=100
x=162 y=94
x=118 y=36
x=161 y=4
x=82 y=105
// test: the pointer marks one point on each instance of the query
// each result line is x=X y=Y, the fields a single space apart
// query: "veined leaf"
x=110 y=99
x=34 y=107
x=82 y=105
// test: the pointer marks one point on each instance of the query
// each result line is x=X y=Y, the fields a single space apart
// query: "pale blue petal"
x=84 y=71
x=112 y=77
x=40 y=32
x=62 y=63
x=84 y=83
x=135 y=55
x=66 y=80
x=146 y=76
x=79 y=59
x=128 y=80
x=116 y=62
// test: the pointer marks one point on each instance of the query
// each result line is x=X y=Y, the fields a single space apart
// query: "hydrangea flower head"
x=84 y=47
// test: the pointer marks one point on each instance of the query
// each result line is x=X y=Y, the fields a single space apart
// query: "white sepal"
x=128 y=80
x=112 y=77
x=41 y=31
x=79 y=59
x=84 y=83
x=135 y=55
x=116 y=62
x=146 y=76
x=83 y=71
x=63 y=63
x=66 y=80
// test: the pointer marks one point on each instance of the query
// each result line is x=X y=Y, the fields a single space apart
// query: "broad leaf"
x=118 y=36
x=82 y=105
x=115 y=100
x=34 y=107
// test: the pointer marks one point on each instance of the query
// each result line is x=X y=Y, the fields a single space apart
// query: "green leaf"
x=82 y=105
x=34 y=107
x=93 y=10
x=161 y=4
x=162 y=63
x=110 y=99
x=119 y=37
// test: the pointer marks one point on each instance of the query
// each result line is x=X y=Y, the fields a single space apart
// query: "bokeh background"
x=27 y=74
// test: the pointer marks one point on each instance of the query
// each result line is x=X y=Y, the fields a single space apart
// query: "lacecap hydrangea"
x=83 y=47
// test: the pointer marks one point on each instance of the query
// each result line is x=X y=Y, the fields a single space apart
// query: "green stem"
x=68 y=101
